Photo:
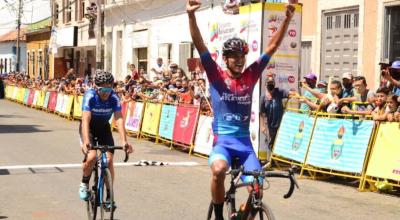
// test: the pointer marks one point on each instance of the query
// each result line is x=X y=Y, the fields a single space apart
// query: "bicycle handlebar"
x=104 y=148
x=290 y=175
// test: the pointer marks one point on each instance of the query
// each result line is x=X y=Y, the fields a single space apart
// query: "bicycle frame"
x=103 y=165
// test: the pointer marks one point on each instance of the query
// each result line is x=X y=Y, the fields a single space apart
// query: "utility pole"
x=99 y=64
x=18 y=34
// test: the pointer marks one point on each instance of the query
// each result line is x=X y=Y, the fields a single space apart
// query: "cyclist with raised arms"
x=99 y=103
x=231 y=96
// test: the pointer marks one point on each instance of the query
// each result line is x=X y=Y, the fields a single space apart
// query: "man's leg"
x=219 y=160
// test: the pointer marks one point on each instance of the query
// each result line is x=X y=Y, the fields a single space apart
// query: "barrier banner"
x=385 y=157
x=167 y=121
x=15 y=93
x=340 y=144
x=46 y=100
x=204 y=135
x=185 y=124
x=35 y=97
x=53 y=101
x=294 y=136
x=67 y=104
x=151 y=118
x=31 y=96
x=26 y=96
x=78 y=106
x=40 y=100
x=134 y=114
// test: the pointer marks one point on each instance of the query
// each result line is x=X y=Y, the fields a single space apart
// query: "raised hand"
x=192 y=5
x=290 y=11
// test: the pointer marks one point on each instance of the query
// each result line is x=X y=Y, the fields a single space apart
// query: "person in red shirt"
x=134 y=72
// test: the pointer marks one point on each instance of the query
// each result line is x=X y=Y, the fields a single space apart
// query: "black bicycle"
x=254 y=206
x=100 y=182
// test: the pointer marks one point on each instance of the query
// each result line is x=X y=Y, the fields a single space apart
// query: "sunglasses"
x=104 y=89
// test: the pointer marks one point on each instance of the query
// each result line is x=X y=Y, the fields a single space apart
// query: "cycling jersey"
x=101 y=110
x=232 y=98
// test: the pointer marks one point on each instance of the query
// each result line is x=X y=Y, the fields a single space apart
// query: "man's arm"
x=191 y=7
x=277 y=38
x=119 y=120
x=86 y=117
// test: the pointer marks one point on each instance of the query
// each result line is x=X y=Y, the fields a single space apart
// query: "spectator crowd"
x=167 y=85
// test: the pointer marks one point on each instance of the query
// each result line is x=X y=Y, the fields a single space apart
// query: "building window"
x=142 y=58
x=33 y=64
x=56 y=11
x=27 y=63
x=68 y=11
x=82 y=10
x=329 y=22
x=355 y=20
x=338 y=21
x=391 y=48
x=5 y=65
x=347 y=21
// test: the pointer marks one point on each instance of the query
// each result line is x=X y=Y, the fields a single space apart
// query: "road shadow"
x=21 y=129
x=3 y=217
x=12 y=116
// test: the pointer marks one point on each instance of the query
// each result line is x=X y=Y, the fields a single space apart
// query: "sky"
x=33 y=11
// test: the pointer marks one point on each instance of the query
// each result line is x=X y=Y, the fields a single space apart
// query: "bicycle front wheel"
x=92 y=202
x=107 y=209
x=263 y=213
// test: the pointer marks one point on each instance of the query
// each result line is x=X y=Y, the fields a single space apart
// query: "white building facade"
x=8 y=57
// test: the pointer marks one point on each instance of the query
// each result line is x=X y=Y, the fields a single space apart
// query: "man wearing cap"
x=271 y=110
x=394 y=70
x=347 y=81
x=309 y=81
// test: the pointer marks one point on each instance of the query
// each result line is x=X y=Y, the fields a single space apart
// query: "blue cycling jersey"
x=101 y=110
x=232 y=98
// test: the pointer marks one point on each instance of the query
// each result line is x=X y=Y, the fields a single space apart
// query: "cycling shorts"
x=228 y=148
x=101 y=132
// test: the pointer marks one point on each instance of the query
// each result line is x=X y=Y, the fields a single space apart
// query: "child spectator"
x=378 y=114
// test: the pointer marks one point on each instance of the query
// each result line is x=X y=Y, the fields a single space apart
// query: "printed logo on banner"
x=214 y=32
x=243 y=25
x=254 y=46
x=214 y=53
x=292 y=33
x=298 y=137
x=337 y=145
x=185 y=120
x=293 y=45
x=291 y=79
x=271 y=65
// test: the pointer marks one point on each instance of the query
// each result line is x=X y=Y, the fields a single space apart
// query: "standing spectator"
x=271 y=110
x=392 y=74
x=173 y=67
x=332 y=100
x=185 y=93
x=379 y=113
x=347 y=81
x=158 y=68
x=391 y=107
x=134 y=72
x=71 y=75
x=322 y=87
x=310 y=80
x=363 y=96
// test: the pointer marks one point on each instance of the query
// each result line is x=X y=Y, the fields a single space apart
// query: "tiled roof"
x=12 y=36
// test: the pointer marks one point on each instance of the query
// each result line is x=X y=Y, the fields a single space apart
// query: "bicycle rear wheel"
x=106 y=213
x=91 y=204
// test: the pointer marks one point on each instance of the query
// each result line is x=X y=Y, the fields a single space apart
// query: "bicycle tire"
x=265 y=213
x=91 y=204
x=107 y=177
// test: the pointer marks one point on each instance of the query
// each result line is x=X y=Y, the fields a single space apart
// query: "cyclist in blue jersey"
x=99 y=103
x=231 y=96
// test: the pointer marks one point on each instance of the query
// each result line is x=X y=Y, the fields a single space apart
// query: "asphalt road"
x=32 y=137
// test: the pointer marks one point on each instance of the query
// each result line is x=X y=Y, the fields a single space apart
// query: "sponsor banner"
x=151 y=118
x=53 y=101
x=40 y=100
x=78 y=106
x=31 y=96
x=124 y=106
x=340 y=144
x=15 y=93
x=185 y=124
x=46 y=100
x=26 y=96
x=294 y=136
x=385 y=157
x=167 y=121
x=60 y=101
x=35 y=97
x=134 y=114
x=67 y=104
x=204 y=135
x=284 y=65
